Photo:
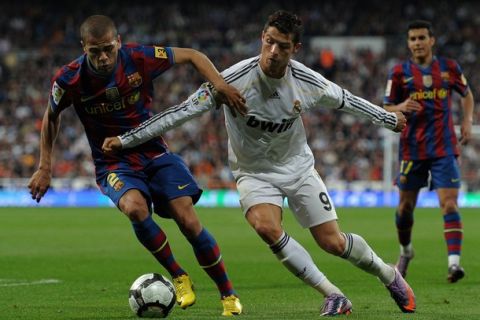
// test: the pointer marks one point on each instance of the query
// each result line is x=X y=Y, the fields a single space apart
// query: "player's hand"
x=111 y=145
x=401 y=122
x=409 y=106
x=39 y=183
x=232 y=98
x=465 y=132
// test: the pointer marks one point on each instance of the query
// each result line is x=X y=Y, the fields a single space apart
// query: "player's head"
x=420 y=40
x=101 y=42
x=280 y=40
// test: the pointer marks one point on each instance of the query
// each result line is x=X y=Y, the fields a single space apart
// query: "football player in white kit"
x=271 y=161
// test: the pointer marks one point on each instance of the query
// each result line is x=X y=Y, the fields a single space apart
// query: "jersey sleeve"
x=198 y=103
x=392 y=90
x=158 y=60
x=60 y=97
x=333 y=96
x=459 y=81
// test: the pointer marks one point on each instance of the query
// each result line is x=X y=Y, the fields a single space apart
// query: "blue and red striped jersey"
x=430 y=131
x=112 y=105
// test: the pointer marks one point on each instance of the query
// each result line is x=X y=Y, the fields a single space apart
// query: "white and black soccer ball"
x=152 y=296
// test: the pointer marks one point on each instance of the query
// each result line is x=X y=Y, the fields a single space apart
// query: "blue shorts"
x=440 y=172
x=164 y=179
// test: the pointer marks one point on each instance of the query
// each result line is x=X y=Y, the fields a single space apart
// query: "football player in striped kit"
x=422 y=87
x=111 y=87
x=271 y=161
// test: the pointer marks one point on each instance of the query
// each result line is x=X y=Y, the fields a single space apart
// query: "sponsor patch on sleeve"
x=388 y=89
x=160 y=53
x=57 y=93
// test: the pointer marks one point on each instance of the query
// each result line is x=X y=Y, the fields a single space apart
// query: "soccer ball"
x=152 y=296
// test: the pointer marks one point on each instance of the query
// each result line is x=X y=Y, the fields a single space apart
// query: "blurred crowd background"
x=37 y=38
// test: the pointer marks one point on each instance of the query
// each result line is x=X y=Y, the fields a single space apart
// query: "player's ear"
x=432 y=41
x=83 y=46
x=119 y=40
x=297 y=47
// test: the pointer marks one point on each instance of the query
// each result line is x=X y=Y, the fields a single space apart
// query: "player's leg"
x=262 y=203
x=404 y=223
x=175 y=198
x=412 y=176
x=130 y=193
x=266 y=220
x=134 y=206
x=203 y=243
x=446 y=180
x=313 y=208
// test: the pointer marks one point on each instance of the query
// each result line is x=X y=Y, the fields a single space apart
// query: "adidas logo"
x=274 y=95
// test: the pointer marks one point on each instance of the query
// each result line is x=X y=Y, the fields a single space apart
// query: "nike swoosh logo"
x=455 y=180
x=85 y=99
x=183 y=186
x=407 y=79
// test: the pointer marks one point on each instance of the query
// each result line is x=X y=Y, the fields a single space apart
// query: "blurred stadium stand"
x=37 y=38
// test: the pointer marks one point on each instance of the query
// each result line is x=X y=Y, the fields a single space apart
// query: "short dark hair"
x=421 y=24
x=97 y=26
x=286 y=22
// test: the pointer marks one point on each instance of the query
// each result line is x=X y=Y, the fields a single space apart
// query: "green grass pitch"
x=66 y=263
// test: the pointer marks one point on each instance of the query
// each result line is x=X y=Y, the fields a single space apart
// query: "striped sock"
x=453 y=232
x=155 y=240
x=404 y=225
x=210 y=259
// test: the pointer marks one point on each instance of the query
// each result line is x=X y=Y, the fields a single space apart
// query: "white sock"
x=453 y=259
x=359 y=253
x=299 y=262
x=406 y=250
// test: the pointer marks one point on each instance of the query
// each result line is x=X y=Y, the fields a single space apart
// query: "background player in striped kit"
x=110 y=87
x=421 y=87
x=271 y=161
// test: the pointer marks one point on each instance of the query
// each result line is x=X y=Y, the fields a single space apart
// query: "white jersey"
x=270 y=141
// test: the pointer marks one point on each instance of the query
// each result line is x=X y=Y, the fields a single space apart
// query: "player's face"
x=420 y=44
x=102 y=52
x=277 y=49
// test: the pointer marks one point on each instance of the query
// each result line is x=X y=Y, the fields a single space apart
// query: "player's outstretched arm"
x=204 y=99
x=394 y=121
x=40 y=180
x=232 y=97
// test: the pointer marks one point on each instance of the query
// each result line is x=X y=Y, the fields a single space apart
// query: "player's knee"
x=135 y=210
x=406 y=208
x=268 y=232
x=449 y=205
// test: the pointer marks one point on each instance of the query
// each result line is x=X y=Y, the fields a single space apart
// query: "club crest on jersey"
x=427 y=80
x=134 y=80
x=112 y=94
x=115 y=182
x=160 y=53
x=134 y=97
x=297 y=108
x=57 y=93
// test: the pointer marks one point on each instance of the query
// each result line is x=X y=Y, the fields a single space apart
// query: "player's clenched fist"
x=111 y=144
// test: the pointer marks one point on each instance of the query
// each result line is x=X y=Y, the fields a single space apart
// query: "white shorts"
x=307 y=197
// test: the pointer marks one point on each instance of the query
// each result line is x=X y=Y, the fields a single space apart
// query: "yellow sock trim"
x=161 y=247
x=216 y=262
